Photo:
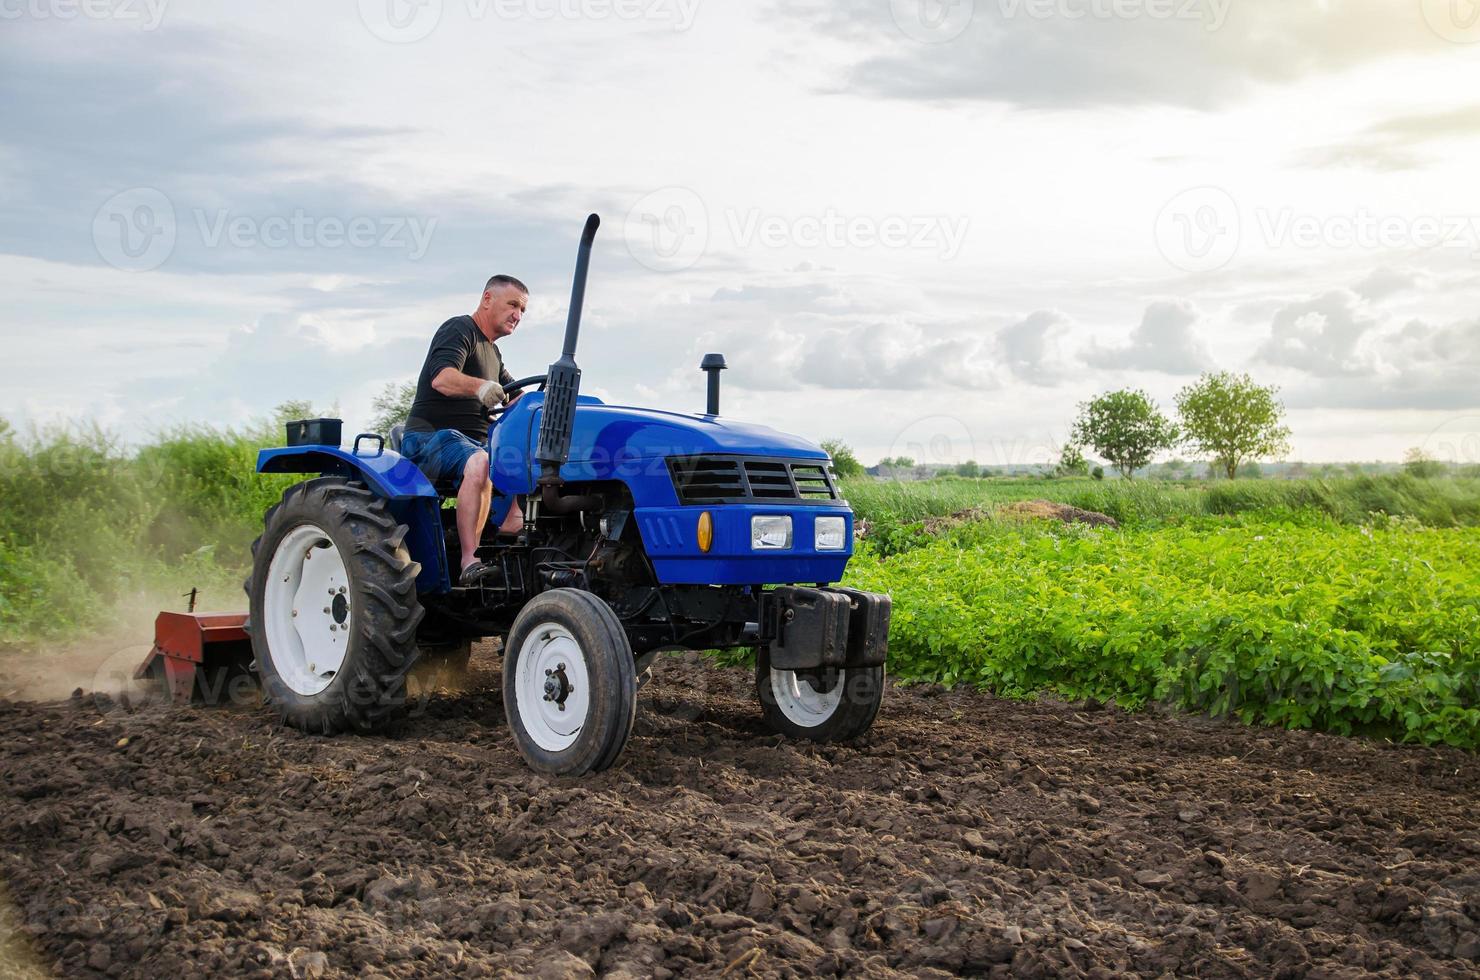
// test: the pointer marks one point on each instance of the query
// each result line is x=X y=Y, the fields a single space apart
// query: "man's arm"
x=454 y=384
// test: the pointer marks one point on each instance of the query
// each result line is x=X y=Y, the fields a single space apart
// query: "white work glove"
x=491 y=394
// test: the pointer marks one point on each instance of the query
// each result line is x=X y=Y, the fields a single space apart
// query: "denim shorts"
x=441 y=455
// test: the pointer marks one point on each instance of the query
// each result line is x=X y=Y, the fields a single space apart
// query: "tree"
x=1071 y=462
x=1418 y=463
x=969 y=469
x=1124 y=427
x=845 y=464
x=1233 y=419
x=392 y=406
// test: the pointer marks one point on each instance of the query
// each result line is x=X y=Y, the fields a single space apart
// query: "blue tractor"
x=644 y=531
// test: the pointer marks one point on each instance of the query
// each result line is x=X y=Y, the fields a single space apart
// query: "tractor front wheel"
x=570 y=684
x=832 y=704
x=333 y=608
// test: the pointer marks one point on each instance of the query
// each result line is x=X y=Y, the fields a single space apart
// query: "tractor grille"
x=740 y=479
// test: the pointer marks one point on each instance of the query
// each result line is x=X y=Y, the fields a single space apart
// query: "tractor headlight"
x=831 y=533
x=770 y=532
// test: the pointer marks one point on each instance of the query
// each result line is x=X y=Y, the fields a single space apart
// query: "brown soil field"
x=964 y=835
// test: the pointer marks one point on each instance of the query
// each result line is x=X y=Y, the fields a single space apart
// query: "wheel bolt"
x=560 y=667
x=549 y=672
x=344 y=588
x=326 y=609
x=331 y=627
x=295 y=612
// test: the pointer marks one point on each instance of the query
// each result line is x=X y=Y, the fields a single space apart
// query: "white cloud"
x=1165 y=341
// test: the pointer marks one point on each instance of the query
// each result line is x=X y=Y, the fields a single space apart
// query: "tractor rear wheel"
x=333 y=608
x=570 y=683
x=833 y=704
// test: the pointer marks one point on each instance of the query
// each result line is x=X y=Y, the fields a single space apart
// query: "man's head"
x=502 y=306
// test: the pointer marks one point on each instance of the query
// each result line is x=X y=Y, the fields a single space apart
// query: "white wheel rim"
x=552 y=687
x=803 y=705
x=308 y=610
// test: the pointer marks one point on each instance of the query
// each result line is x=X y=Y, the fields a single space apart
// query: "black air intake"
x=563 y=383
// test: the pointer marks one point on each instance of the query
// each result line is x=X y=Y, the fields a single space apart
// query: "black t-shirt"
x=459 y=344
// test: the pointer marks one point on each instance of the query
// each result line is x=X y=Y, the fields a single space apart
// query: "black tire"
x=607 y=665
x=860 y=691
x=368 y=691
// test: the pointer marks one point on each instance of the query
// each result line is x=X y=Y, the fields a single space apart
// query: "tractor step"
x=194 y=653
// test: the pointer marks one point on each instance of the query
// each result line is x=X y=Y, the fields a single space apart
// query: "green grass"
x=1306 y=623
x=87 y=527
x=1439 y=502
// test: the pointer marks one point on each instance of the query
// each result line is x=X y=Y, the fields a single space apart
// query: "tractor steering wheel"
x=533 y=379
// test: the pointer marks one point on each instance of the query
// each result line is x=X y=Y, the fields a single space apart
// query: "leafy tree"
x=1098 y=473
x=969 y=469
x=897 y=463
x=392 y=406
x=1233 y=419
x=845 y=463
x=1071 y=461
x=1124 y=427
x=1418 y=463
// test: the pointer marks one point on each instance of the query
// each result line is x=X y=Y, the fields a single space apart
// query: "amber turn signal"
x=706 y=531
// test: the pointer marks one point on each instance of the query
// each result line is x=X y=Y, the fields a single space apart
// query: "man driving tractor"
x=460 y=384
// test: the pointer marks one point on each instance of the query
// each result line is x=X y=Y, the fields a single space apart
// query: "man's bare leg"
x=474 y=498
x=514 y=521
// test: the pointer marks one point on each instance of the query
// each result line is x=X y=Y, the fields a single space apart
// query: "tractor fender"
x=411 y=497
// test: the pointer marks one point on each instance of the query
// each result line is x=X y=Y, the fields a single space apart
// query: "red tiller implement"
x=196 y=654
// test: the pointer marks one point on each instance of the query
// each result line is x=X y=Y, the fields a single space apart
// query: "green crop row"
x=1308 y=624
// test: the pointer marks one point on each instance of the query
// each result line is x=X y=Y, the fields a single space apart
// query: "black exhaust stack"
x=562 y=386
x=712 y=365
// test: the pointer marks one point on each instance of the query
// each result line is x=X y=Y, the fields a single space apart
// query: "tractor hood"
x=605 y=432
x=602 y=430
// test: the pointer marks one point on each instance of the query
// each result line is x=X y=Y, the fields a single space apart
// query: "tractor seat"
x=444 y=488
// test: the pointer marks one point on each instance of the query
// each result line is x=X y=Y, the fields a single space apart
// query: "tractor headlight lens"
x=831 y=533
x=770 y=533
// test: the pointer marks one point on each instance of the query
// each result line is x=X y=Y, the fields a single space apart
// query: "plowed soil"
x=965 y=835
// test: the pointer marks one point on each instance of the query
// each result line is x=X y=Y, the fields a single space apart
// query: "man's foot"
x=476 y=572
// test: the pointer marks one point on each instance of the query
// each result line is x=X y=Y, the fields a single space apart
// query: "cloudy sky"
x=928 y=227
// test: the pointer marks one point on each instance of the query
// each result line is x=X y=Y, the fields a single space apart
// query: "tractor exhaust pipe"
x=712 y=365
x=563 y=384
x=562 y=387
